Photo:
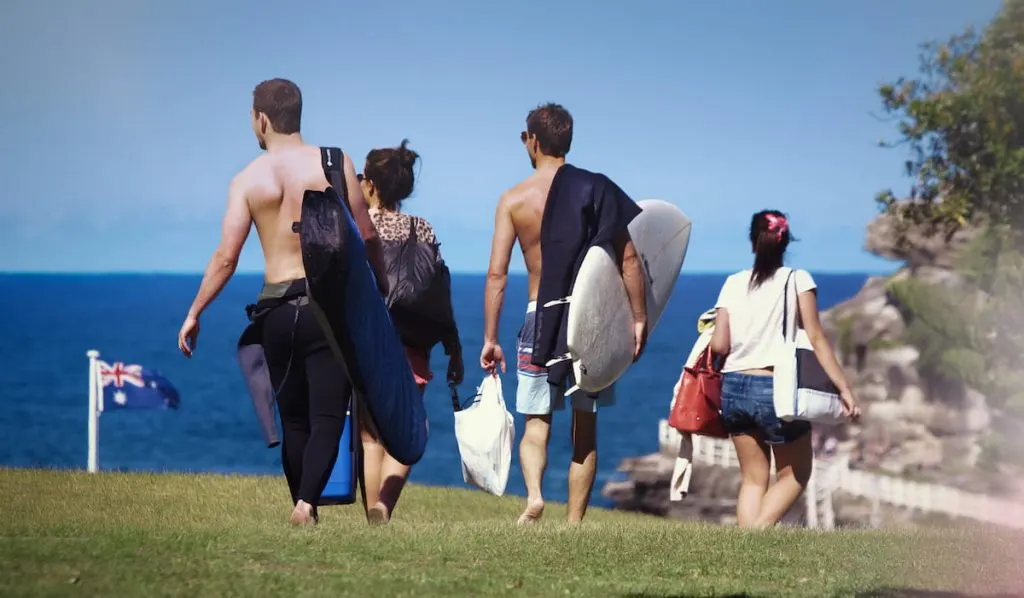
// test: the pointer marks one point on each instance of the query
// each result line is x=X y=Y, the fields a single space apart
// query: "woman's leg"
x=755 y=471
x=393 y=476
x=373 y=460
x=793 y=464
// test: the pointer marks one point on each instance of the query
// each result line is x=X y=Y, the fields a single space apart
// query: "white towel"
x=679 y=486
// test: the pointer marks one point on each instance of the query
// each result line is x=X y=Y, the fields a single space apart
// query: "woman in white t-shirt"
x=748 y=333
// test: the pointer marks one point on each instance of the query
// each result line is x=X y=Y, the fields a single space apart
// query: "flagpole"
x=94 y=411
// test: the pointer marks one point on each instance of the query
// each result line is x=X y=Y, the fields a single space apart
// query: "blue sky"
x=126 y=119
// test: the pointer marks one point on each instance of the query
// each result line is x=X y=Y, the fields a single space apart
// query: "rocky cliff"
x=913 y=425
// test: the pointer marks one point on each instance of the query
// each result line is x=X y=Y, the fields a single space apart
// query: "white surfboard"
x=600 y=326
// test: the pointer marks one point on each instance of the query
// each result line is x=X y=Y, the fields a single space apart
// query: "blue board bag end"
x=344 y=297
x=341 y=486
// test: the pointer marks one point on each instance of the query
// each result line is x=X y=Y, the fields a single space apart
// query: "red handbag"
x=699 y=400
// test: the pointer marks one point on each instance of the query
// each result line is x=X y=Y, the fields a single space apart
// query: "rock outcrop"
x=912 y=425
x=928 y=246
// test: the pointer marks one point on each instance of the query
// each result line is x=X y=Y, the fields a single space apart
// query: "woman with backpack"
x=419 y=301
x=748 y=330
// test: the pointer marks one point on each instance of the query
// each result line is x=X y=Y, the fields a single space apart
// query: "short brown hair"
x=281 y=101
x=552 y=125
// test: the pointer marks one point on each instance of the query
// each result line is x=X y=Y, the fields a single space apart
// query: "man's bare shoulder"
x=253 y=173
x=532 y=188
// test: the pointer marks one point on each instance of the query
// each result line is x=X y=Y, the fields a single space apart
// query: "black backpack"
x=420 y=290
x=419 y=296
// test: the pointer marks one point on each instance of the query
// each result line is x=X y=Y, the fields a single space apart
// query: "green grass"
x=74 y=534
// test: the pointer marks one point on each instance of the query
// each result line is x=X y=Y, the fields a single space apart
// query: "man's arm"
x=234 y=232
x=361 y=214
x=497 y=272
x=632 y=275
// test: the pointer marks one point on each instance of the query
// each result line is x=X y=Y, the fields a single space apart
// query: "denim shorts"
x=748 y=408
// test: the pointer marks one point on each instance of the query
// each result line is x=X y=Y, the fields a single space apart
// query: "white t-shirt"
x=755 y=316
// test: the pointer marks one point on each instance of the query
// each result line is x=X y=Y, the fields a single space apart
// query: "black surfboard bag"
x=323 y=244
x=349 y=308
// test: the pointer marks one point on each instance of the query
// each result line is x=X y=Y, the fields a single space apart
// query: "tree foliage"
x=962 y=119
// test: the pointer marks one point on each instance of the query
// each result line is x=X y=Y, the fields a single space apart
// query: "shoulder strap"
x=332 y=159
x=785 y=306
x=798 y=320
x=412 y=229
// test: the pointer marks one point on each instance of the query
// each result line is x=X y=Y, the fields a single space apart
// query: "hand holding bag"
x=803 y=389
x=698 y=400
x=484 y=432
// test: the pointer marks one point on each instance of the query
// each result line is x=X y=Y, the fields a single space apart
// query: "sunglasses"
x=523 y=136
x=359 y=177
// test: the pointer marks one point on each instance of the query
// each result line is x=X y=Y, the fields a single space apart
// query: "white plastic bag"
x=485 y=432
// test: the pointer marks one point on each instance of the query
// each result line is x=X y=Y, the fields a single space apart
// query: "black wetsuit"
x=312 y=389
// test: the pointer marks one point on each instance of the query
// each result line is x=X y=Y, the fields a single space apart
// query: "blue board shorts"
x=534 y=394
x=748 y=407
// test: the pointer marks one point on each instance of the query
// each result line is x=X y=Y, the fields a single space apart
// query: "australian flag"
x=135 y=387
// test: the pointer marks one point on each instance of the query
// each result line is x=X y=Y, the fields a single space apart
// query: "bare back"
x=525 y=204
x=274 y=185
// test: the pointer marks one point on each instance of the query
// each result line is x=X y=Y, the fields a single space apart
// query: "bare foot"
x=302 y=514
x=532 y=514
x=378 y=515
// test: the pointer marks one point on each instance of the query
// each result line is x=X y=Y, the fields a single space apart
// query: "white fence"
x=834 y=474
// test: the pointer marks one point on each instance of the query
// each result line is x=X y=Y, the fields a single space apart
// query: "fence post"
x=811 y=500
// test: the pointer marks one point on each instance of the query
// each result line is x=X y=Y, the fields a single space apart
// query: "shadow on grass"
x=880 y=593
x=647 y=595
x=908 y=593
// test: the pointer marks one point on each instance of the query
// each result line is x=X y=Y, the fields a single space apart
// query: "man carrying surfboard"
x=524 y=214
x=311 y=387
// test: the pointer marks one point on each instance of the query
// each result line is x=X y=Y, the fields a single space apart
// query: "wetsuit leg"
x=329 y=393
x=280 y=344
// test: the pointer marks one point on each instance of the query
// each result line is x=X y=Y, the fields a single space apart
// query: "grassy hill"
x=74 y=534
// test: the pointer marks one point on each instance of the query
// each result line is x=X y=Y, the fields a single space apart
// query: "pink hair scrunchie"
x=777 y=224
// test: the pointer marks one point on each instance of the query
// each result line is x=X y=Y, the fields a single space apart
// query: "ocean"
x=52 y=320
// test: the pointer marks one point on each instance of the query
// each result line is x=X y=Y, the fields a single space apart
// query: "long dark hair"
x=769 y=234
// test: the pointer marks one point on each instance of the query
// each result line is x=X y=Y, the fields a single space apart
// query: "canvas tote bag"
x=802 y=388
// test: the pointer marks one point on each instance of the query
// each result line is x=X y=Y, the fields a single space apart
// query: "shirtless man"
x=312 y=389
x=519 y=214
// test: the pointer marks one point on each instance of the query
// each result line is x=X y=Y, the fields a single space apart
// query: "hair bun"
x=407 y=156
